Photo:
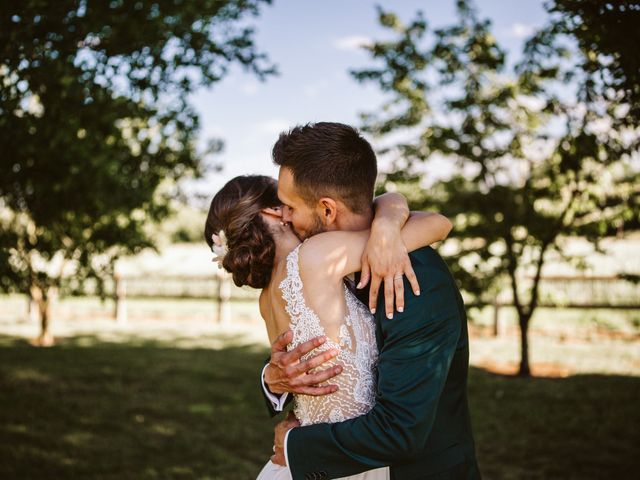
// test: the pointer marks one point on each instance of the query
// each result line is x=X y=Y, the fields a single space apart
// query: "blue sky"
x=314 y=44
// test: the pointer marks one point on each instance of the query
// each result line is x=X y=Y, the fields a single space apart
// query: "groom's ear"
x=328 y=210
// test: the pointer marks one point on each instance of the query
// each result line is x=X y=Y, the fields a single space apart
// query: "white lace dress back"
x=357 y=347
x=358 y=355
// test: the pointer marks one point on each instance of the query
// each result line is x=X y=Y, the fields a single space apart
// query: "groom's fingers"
x=280 y=345
x=294 y=355
x=317 y=391
x=315 y=361
x=314 y=379
x=279 y=459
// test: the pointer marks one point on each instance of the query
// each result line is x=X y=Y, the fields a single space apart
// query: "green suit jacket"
x=420 y=423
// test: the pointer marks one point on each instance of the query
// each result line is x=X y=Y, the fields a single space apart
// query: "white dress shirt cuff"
x=286 y=453
x=277 y=401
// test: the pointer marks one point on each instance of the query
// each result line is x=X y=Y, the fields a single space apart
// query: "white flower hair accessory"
x=219 y=247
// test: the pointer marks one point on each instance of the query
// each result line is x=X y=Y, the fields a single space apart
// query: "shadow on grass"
x=583 y=426
x=129 y=339
x=92 y=409
x=122 y=411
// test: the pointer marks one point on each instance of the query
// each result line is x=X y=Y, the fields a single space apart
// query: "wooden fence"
x=555 y=292
x=588 y=292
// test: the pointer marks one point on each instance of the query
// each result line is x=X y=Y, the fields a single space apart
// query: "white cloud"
x=273 y=126
x=352 y=42
x=521 y=30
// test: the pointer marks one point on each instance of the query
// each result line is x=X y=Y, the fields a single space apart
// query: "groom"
x=420 y=424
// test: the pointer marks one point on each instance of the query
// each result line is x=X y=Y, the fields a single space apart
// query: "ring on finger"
x=398 y=276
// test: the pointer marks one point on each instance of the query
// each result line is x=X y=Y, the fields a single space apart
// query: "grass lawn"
x=113 y=410
x=144 y=409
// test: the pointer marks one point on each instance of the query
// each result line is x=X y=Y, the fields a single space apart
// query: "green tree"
x=96 y=128
x=607 y=33
x=528 y=154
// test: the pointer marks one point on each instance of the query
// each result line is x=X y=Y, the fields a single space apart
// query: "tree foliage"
x=531 y=153
x=95 y=124
x=607 y=34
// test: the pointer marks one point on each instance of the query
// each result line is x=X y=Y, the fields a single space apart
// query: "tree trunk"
x=40 y=296
x=32 y=310
x=120 y=294
x=524 y=370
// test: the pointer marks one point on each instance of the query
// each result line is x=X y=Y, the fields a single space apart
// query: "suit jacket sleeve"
x=413 y=364
x=272 y=411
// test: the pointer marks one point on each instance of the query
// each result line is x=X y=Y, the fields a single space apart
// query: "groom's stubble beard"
x=316 y=227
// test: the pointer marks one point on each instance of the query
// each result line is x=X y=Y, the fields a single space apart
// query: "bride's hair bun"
x=235 y=209
x=250 y=261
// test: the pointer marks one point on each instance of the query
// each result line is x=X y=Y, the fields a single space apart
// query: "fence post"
x=496 y=318
x=222 y=297
x=120 y=297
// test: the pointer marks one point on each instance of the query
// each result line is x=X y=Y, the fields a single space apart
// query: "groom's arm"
x=412 y=370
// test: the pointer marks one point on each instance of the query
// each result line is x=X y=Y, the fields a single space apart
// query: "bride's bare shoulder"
x=318 y=254
x=332 y=254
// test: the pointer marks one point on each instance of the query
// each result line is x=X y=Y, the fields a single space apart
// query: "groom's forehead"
x=286 y=185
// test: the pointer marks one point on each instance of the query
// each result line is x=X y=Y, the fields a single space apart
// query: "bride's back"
x=312 y=303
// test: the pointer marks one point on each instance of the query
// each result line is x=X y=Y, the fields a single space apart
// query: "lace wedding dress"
x=358 y=355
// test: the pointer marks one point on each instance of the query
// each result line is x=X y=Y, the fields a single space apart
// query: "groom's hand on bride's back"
x=286 y=371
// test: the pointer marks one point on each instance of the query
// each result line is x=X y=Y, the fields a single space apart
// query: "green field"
x=92 y=409
x=177 y=397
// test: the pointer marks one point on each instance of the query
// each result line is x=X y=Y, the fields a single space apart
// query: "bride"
x=303 y=289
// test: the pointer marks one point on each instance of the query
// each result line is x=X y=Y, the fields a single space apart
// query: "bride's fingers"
x=388 y=296
x=373 y=293
x=315 y=361
x=365 y=273
x=413 y=280
x=294 y=355
x=398 y=284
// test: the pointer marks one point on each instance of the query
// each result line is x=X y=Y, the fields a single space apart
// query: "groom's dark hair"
x=329 y=159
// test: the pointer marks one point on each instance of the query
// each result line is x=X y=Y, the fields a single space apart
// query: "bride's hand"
x=286 y=373
x=386 y=258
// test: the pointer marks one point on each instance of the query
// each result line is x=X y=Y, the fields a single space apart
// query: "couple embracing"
x=379 y=382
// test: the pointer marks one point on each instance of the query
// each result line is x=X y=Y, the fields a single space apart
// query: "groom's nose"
x=286 y=215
